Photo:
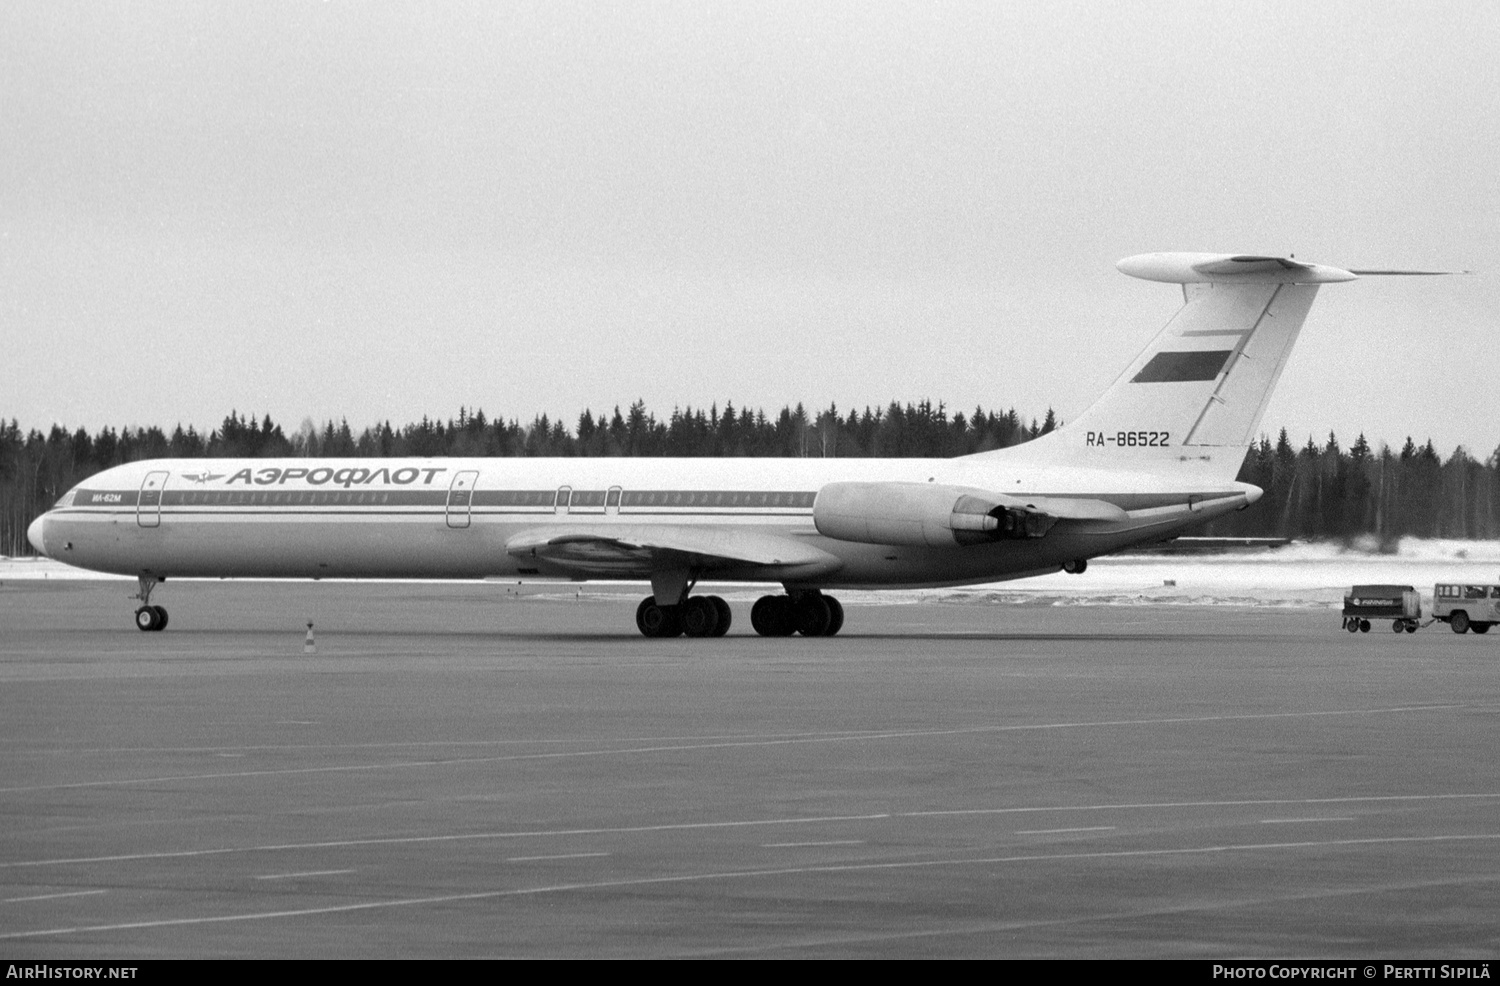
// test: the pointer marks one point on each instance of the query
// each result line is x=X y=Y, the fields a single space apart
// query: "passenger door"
x=461 y=498
x=148 y=504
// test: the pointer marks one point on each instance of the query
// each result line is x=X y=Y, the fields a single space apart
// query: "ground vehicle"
x=1466 y=607
x=1401 y=604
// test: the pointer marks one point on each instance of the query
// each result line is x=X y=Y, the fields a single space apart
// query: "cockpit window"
x=66 y=501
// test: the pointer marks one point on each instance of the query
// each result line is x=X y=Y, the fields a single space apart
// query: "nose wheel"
x=148 y=617
x=151 y=618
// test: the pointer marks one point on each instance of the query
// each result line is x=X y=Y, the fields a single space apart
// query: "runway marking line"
x=461 y=837
x=408 y=744
x=994 y=927
x=294 y=876
x=566 y=855
x=1093 y=828
x=742 y=823
x=1302 y=821
x=724 y=745
x=735 y=875
x=801 y=845
x=74 y=893
x=1245 y=803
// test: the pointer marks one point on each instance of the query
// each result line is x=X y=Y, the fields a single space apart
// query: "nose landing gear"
x=149 y=617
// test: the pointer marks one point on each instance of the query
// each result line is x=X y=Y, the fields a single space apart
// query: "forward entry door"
x=461 y=498
x=148 y=504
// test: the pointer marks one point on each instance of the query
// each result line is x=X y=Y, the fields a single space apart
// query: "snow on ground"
x=1311 y=575
x=1304 y=575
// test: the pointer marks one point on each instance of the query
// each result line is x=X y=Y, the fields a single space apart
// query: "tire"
x=659 y=621
x=760 y=616
x=772 y=616
x=726 y=615
x=161 y=618
x=146 y=619
x=1459 y=622
x=836 y=611
x=1364 y=626
x=784 y=616
x=1481 y=627
x=1411 y=628
x=1397 y=626
x=813 y=615
x=700 y=617
x=671 y=623
x=1351 y=625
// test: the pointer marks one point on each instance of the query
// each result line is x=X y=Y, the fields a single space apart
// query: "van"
x=1466 y=607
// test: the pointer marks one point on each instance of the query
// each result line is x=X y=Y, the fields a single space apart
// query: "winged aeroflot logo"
x=202 y=477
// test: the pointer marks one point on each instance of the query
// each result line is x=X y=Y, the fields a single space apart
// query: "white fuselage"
x=453 y=518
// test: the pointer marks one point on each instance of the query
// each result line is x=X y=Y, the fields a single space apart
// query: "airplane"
x=1155 y=456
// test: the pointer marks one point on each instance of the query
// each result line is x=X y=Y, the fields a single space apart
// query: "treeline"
x=1315 y=491
x=1327 y=492
x=36 y=468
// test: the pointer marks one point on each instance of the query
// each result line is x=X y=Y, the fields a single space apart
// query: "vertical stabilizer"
x=1193 y=399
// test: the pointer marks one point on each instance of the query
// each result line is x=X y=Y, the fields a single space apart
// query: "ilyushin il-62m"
x=1154 y=457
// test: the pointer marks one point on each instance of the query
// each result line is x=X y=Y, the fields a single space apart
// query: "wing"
x=638 y=551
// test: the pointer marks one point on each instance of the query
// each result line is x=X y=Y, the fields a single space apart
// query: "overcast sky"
x=385 y=210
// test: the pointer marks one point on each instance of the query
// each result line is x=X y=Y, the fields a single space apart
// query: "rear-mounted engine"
x=923 y=514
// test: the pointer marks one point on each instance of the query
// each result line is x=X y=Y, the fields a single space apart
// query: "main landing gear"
x=698 y=616
x=149 y=617
x=811 y=614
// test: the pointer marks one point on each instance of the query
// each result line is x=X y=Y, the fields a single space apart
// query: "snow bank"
x=1311 y=575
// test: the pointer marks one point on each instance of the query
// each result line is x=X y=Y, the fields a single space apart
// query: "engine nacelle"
x=923 y=514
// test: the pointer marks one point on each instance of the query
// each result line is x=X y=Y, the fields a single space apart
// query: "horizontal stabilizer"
x=1226 y=268
x=1408 y=273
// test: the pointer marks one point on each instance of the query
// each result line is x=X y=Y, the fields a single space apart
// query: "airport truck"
x=1401 y=604
x=1466 y=607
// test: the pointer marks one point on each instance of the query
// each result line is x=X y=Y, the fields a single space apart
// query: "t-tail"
x=1192 y=400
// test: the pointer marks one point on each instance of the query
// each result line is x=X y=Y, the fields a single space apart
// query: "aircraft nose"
x=36 y=534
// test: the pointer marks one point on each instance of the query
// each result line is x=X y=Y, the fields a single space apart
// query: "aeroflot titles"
x=339 y=477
